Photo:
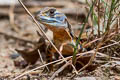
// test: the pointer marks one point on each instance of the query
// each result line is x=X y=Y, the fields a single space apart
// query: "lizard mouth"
x=47 y=19
x=53 y=21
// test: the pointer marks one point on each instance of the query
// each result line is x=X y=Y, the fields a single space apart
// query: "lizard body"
x=62 y=32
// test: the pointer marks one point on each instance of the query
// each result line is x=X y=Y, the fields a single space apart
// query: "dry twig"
x=12 y=17
x=40 y=28
x=59 y=70
x=17 y=38
x=42 y=59
x=81 y=54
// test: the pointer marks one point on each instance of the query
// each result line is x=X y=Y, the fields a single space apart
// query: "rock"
x=8 y=2
x=85 y=78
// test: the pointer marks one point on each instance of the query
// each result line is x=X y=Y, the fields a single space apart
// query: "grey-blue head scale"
x=52 y=17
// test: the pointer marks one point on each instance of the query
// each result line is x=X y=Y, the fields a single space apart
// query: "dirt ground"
x=22 y=34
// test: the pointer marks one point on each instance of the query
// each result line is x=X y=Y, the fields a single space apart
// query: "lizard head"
x=49 y=16
x=54 y=20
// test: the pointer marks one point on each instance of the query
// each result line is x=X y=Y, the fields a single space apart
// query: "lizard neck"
x=59 y=34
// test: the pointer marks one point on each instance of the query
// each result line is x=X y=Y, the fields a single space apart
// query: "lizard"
x=62 y=33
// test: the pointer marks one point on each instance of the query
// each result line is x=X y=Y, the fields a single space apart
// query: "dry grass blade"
x=104 y=38
x=59 y=70
x=42 y=60
x=17 y=38
x=40 y=28
x=81 y=54
x=98 y=39
x=27 y=72
x=110 y=45
x=11 y=16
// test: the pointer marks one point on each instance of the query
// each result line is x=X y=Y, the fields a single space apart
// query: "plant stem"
x=79 y=37
x=98 y=18
x=110 y=15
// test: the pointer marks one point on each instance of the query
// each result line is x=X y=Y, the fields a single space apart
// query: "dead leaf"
x=31 y=56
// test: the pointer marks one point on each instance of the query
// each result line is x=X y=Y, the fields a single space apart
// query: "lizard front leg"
x=49 y=56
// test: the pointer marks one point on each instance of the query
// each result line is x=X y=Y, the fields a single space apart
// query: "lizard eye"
x=51 y=12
